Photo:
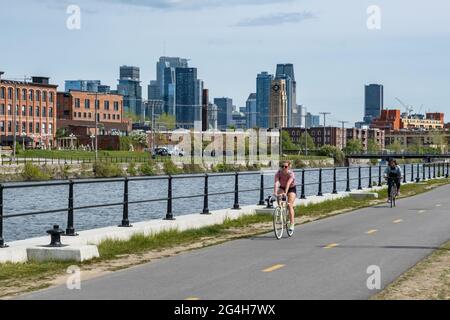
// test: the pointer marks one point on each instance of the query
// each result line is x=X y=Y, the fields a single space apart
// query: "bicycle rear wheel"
x=393 y=195
x=278 y=223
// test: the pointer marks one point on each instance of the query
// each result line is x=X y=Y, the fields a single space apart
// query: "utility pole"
x=324 y=123
x=306 y=132
x=343 y=132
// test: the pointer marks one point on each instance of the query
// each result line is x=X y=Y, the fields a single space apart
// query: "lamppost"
x=23 y=140
x=15 y=98
x=96 y=114
x=71 y=136
x=92 y=140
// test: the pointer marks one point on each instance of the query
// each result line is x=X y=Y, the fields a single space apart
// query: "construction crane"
x=409 y=109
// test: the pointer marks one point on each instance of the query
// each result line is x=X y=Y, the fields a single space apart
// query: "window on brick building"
x=30 y=111
x=87 y=103
x=44 y=96
x=51 y=96
x=9 y=126
x=106 y=105
x=116 y=106
x=44 y=111
x=50 y=112
x=9 y=110
x=2 y=92
x=24 y=111
x=31 y=95
x=77 y=103
x=10 y=93
x=2 y=126
x=37 y=111
x=30 y=127
x=38 y=95
x=2 y=109
x=37 y=127
x=24 y=94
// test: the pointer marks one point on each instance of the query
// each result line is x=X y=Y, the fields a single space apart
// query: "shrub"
x=30 y=172
x=192 y=168
x=170 y=168
x=107 y=170
x=132 y=169
x=147 y=169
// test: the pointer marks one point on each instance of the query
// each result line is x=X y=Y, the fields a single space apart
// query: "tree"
x=396 y=146
x=133 y=117
x=353 y=146
x=373 y=146
x=167 y=121
x=306 y=141
x=440 y=141
x=332 y=152
x=286 y=141
x=416 y=146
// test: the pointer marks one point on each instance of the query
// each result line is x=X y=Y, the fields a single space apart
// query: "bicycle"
x=394 y=190
x=280 y=217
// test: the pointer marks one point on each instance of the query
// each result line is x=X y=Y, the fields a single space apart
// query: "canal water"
x=34 y=199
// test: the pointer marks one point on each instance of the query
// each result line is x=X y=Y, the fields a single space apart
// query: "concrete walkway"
x=326 y=259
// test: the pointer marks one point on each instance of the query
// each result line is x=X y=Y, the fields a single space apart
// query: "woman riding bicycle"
x=285 y=186
x=394 y=172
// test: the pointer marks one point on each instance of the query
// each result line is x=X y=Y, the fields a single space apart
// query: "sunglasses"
x=285 y=167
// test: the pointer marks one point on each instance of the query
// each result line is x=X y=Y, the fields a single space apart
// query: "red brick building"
x=77 y=111
x=29 y=108
x=389 y=120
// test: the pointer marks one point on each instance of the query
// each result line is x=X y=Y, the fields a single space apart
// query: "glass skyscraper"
x=263 y=87
x=224 y=112
x=374 y=102
x=130 y=87
x=188 y=97
x=250 y=111
x=82 y=85
x=286 y=72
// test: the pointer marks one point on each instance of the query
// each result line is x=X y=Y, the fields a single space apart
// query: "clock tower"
x=278 y=104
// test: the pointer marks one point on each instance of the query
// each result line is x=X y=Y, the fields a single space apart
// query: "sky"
x=230 y=41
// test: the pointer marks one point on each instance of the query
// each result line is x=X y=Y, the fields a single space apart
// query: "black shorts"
x=291 y=190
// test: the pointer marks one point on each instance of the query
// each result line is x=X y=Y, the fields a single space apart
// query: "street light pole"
x=324 y=123
x=343 y=132
x=14 y=119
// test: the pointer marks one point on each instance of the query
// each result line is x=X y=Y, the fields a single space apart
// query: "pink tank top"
x=285 y=178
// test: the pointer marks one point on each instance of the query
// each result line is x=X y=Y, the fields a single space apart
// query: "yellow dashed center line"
x=372 y=231
x=192 y=298
x=397 y=221
x=273 y=268
x=332 y=245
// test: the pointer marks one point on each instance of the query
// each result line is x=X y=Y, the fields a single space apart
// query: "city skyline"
x=330 y=56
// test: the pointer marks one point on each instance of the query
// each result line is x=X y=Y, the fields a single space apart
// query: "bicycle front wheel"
x=278 y=223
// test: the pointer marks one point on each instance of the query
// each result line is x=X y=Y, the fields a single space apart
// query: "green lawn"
x=66 y=154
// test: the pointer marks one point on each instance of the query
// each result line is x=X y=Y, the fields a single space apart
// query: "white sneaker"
x=291 y=227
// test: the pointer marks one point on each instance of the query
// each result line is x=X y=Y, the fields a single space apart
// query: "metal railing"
x=75 y=160
x=434 y=170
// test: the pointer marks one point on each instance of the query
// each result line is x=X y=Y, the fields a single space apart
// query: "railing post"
x=418 y=174
x=379 y=176
x=370 y=177
x=359 y=179
x=447 y=174
x=439 y=169
x=70 y=231
x=205 y=197
x=348 y=180
x=334 y=182
x=169 y=214
x=303 y=195
x=429 y=171
x=423 y=171
x=404 y=173
x=125 y=220
x=261 y=191
x=236 y=191
x=319 y=193
x=2 y=241
x=412 y=172
x=434 y=170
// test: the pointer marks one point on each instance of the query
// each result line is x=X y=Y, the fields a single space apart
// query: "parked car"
x=160 y=152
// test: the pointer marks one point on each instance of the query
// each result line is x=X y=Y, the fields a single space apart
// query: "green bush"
x=107 y=170
x=192 y=168
x=170 y=168
x=30 y=172
x=147 y=169
x=132 y=169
